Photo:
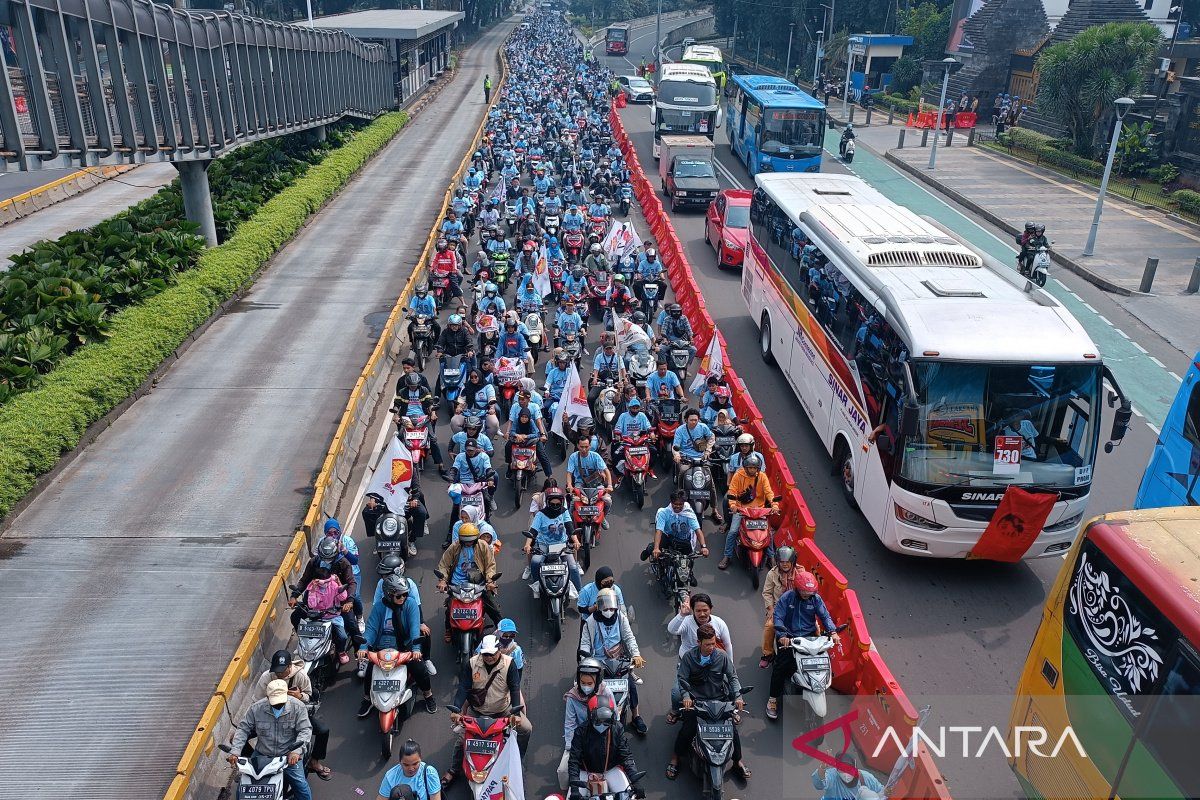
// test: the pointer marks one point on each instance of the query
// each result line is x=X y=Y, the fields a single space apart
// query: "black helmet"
x=394 y=585
x=328 y=549
x=1029 y=226
x=601 y=711
x=675 y=310
x=391 y=564
x=585 y=424
x=786 y=553
x=1039 y=229
x=639 y=317
x=412 y=380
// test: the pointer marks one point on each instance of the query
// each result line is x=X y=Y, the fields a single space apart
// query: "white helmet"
x=746 y=438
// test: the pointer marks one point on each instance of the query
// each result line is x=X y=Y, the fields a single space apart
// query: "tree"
x=1078 y=80
x=930 y=28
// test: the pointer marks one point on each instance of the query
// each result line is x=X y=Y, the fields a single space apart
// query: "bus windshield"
x=617 y=34
x=1052 y=409
x=687 y=94
x=792 y=130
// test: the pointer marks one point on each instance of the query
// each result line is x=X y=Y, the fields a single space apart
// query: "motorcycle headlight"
x=698 y=480
x=388 y=526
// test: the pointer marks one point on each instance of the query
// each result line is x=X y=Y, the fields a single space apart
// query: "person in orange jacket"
x=748 y=488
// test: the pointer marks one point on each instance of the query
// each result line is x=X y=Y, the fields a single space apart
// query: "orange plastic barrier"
x=965 y=119
x=878 y=701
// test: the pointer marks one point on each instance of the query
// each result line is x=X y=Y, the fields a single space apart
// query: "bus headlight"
x=916 y=520
x=765 y=165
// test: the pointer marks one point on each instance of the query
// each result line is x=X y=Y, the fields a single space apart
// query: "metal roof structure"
x=390 y=23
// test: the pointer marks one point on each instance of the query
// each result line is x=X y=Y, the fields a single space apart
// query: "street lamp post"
x=787 y=64
x=817 y=60
x=658 y=41
x=950 y=66
x=1122 y=105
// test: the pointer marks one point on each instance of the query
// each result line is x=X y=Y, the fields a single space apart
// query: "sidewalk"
x=1007 y=193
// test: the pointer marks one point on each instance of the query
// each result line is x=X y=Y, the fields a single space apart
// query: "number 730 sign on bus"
x=1006 y=459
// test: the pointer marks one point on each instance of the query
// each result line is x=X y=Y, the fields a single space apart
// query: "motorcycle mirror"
x=516 y=709
x=529 y=534
x=454 y=709
x=841 y=627
x=637 y=776
x=746 y=690
x=224 y=748
x=1121 y=422
x=439 y=575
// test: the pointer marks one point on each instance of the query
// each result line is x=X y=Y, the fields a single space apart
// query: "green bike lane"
x=1144 y=378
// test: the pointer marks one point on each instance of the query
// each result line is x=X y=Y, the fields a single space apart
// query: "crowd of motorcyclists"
x=521 y=272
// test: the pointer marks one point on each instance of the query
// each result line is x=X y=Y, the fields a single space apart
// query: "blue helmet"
x=455 y=319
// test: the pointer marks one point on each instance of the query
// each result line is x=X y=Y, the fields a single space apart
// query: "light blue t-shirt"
x=425 y=784
x=582 y=469
x=551 y=531
x=680 y=527
x=628 y=424
x=589 y=593
x=688 y=440
x=655 y=381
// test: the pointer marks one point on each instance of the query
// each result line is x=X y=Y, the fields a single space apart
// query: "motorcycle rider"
x=452 y=229
x=630 y=423
x=596 y=260
x=553 y=204
x=749 y=487
x=415 y=398
x=277 y=721
x=720 y=402
x=662 y=378
x=672 y=324
x=605 y=360
x=473 y=466
x=491 y=302
x=676 y=526
x=1029 y=241
x=600 y=746
x=396 y=623
x=513 y=344
x=489 y=217
x=286 y=667
x=588 y=684
x=836 y=783
x=415 y=513
x=589 y=593
x=465 y=559
x=575 y=284
x=422 y=304
x=489 y=686
x=554 y=251
x=330 y=562
x=445 y=264
x=694 y=440
x=796 y=615
x=506 y=632
x=705 y=672
x=412 y=778
x=455 y=341
x=572 y=220
x=620 y=299
x=553 y=525
x=779 y=579
x=607 y=632
x=522 y=430
x=557 y=373
x=586 y=468
x=568 y=321
x=478 y=399
x=847 y=135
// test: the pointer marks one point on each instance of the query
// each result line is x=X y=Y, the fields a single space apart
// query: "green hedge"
x=1188 y=201
x=896 y=103
x=37 y=427
x=1047 y=150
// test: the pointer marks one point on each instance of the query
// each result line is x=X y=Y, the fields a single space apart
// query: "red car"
x=727 y=226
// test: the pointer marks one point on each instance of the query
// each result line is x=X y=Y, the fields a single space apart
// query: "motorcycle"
x=667 y=414
x=488 y=328
x=679 y=357
x=552 y=222
x=535 y=331
x=635 y=452
x=466 y=616
x=261 y=777
x=754 y=537
x=501 y=271
x=675 y=572
x=572 y=347
x=553 y=582
x=1038 y=268
x=599 y=282
x=509 y=374
x=391 y=693
x=416 y=438
x=617 y=673
x=573 y=242
x=651 y=292
x=848 y=152
x=598 y=226
x=474 y=494
x=641 y=364
x=712 y=749
x=314 y=645
x=442 y=287
x=814 y=674
x=391 y=536
x=605 y=412
x=422 y=339
x=524 y=467
x=626 y=198
x=556 y=279
x=611 y=785
x=450 y=379
x=697 y=482
x=724 y=443
x=484 y=738
x=588 y=512
x=510 y=217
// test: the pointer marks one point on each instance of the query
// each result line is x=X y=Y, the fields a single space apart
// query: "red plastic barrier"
x=965 y=119
x=881 y=704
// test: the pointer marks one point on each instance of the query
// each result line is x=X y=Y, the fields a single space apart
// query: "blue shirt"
x=425 y=784
x=572 y=221
x=482 y=398
x=535 y=409
x=423 y=305
x=481 y=464
x=551 y=531
x=414 y=594
x=512 y=345
x=680 y=527
x=556 y=379
x=492 y=305
x=569 y=323
x=384 y=630
x=794 y=616
x=466 y=562
x=831 y=787
x=656 y=382
x=589 y=593
x=459 y=440
x=688 y=440
x=605 y=361
x=583 y=468
x=629 y=424
x=484 y=527
x=452 y=230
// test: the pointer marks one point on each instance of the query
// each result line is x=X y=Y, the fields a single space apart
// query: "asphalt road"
x=954 y=633
x=140 y=565
x=15 y=182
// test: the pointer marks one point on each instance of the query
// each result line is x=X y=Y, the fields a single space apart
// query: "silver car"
x=637 y=90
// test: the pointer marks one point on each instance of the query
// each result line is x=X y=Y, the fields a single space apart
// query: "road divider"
x=202 y=771
x=878 y=703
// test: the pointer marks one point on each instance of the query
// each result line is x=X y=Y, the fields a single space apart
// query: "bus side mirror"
x=1120 y=425
x=884 y=443
x=908 y=419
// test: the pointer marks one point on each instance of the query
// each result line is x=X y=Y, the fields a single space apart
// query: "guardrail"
x=878 y=701
x=200 y=769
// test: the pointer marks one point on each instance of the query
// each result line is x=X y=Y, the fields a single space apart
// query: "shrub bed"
x=1188 y=201
x=38 y=426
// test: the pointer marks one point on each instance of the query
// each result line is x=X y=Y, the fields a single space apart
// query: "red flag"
x=1017 y=522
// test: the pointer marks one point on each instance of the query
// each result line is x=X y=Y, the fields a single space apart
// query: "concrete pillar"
x=320 y=132
x=197 y=200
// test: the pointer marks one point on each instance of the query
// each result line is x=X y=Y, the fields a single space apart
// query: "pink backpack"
x=326 y=594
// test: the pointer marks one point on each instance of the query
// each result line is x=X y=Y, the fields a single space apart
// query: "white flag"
x=505 y=780
x=497 y=195
x=541 y=275
x=393 y=475
x=621 y=241
x=629 y=334
x=713 y=363
x=572 y=403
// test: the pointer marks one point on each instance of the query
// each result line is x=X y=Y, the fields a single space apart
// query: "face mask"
x=705 y=659
x=608 y=615
x=600 y=728
x=587 y=690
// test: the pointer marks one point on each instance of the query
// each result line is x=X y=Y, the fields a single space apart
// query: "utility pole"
x=817 y=59
x=658 y=43
x=733 y=42
x=950 y=66
x=787 y=64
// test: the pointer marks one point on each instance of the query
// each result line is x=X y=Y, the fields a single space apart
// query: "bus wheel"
x=843 y=461
x=764 y=340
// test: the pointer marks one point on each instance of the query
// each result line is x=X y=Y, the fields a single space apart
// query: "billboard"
x=963 y=9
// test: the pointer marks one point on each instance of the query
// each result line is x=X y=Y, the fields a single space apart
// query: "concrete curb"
x=35 y=200
x=962 y=200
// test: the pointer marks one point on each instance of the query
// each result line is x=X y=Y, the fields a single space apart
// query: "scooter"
x=535 y=331
x=697 y=482
x=611 y=785
x=667 y=414
x=617 y=672
x=848 y=152
x=725 y=442
x=391 y=536
x=450 y=379
x=509 y=373
x=573 y=242
x=391 y=693
x=754 y=537
x=598 y=283
x=641 y=364
x=466 y=616
x=651 y=292
x=587 y=512
x=1038 y=269
x=314 y=644
x=712 y=749
x=679 y=357
x=626 y=197
x=635 y=452
x=552 y=584
x=422 y=339
x=474 y=494
x=814 y=674
x=524 y=467
x=261 y=777
x=484 y=739
x=572 y=347
x=606 y=407
x=676 y=574
x=416 y=438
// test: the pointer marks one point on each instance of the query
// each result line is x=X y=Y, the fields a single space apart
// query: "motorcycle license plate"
x=420 y=329
x=815 y=662
x=463 y=613
x=416 y=438
x=484 y=747
x=522 y=453
x=310 y=630
x=387 y=686
x=589 y=511
x=617 y=685
x=554 y=569
x=388 y=544
x=256 y=790
x=638 y=451
x=723 y=730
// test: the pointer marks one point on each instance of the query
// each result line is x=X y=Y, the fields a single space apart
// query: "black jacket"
x=341 y=568
x=592 y=751
x=455 y=342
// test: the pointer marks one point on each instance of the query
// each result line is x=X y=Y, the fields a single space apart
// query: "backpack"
x=326 y=594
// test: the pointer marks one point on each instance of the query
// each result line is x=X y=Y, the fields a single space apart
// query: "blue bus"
x=1173 y=475
x=774 y=126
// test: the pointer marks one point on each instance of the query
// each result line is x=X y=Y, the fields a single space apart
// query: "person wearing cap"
x=278 y=722
x=796 y=615
x=412 y=777
x=602 y=748
x=489 y=686
x=285 y=667
x=846 y=781
x=506 y=632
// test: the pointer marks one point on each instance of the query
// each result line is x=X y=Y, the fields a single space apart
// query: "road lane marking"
x=1175 y=376
x=1156 y=361
x=1138 y=346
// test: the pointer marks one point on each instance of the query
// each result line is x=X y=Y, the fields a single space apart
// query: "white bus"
x=685 y=102
x=935 y=376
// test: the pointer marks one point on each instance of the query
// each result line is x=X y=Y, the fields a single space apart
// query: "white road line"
x=1175 y=376
x=1123 y=333
x=1061 y=285
x=729 y=176
x=1137 y=413
x=1089 y=307
x=1138 y=346
x=1104 y=319
x=1155 y=428
x=1156 y=361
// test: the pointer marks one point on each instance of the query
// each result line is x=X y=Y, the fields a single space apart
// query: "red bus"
x=616 y=39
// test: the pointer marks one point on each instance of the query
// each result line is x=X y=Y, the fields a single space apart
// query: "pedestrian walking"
x=975 y=105
x=487 y=88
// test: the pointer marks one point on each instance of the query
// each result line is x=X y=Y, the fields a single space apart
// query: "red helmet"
x=805 y=581
x=720 y=393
